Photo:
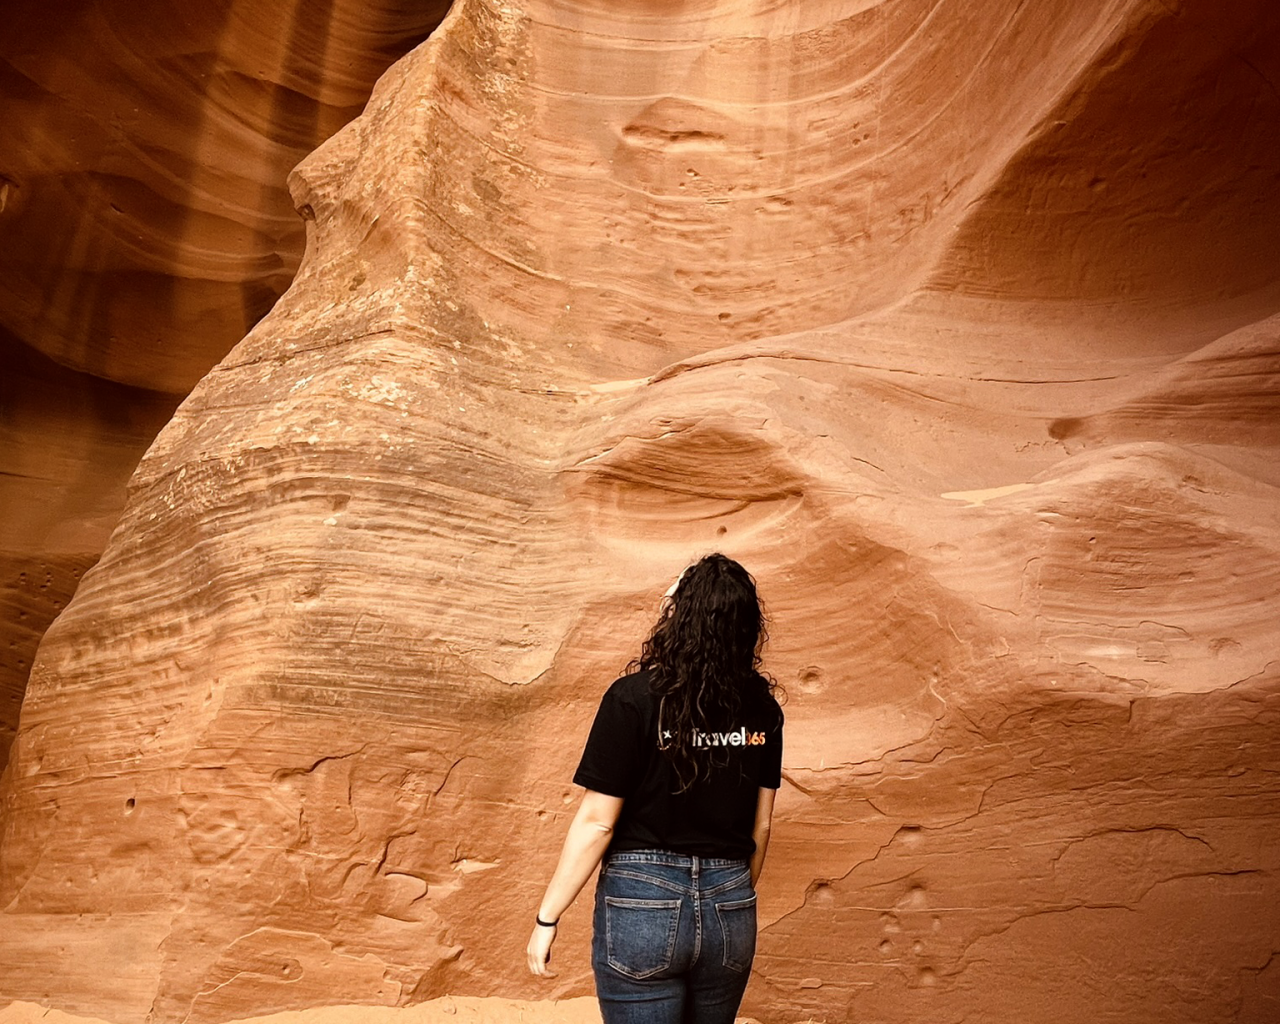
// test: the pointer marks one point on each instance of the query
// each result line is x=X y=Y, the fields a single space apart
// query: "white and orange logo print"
x=734 y=738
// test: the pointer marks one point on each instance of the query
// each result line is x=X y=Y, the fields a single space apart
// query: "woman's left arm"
x=584 y=846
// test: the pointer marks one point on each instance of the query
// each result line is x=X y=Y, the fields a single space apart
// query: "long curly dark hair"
x=703 y=657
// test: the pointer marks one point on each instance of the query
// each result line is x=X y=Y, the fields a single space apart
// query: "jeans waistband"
x=674 y=860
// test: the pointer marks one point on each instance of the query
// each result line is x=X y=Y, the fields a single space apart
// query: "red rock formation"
x=69 y=442
x=146 y=149
x=446 y=1010
x=144 y=227
x=865 y=294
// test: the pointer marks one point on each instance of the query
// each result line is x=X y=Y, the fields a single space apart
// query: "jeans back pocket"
x=738 y=926
x=640 y=935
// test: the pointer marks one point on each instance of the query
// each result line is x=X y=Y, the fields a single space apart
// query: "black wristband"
x=545 y=924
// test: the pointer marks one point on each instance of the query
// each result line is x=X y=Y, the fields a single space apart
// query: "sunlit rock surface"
x=956 y=322
x=144 y=227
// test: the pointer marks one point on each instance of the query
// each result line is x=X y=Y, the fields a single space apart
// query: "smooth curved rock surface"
x=588 y=292
x=146 y=145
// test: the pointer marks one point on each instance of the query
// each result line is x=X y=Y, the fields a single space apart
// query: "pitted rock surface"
x=930 y=313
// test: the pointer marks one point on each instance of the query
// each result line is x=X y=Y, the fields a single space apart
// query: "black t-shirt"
x=714 y=817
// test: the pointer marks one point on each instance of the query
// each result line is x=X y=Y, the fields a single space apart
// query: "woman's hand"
x=539 y=950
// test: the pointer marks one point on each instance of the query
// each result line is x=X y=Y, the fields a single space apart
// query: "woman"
x=681 y=768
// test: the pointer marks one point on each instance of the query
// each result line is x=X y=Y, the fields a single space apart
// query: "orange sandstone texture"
x=144 y=227
x=955 y=322
x=447 y=1010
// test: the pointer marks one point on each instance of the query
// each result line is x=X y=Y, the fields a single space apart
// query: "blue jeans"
x=674 y=938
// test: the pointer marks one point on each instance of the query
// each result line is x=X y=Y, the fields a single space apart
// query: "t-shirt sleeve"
x=611 y=762
x=771 y=763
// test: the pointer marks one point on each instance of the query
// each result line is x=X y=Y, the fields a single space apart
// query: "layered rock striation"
x=144 y=227
x=933 y=314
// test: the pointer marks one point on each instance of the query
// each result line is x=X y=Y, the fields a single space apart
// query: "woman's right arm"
x=760 y=831
x=584 y=846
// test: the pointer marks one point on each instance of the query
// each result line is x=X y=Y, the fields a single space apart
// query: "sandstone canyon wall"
x=144 y=227
x=957 y=322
